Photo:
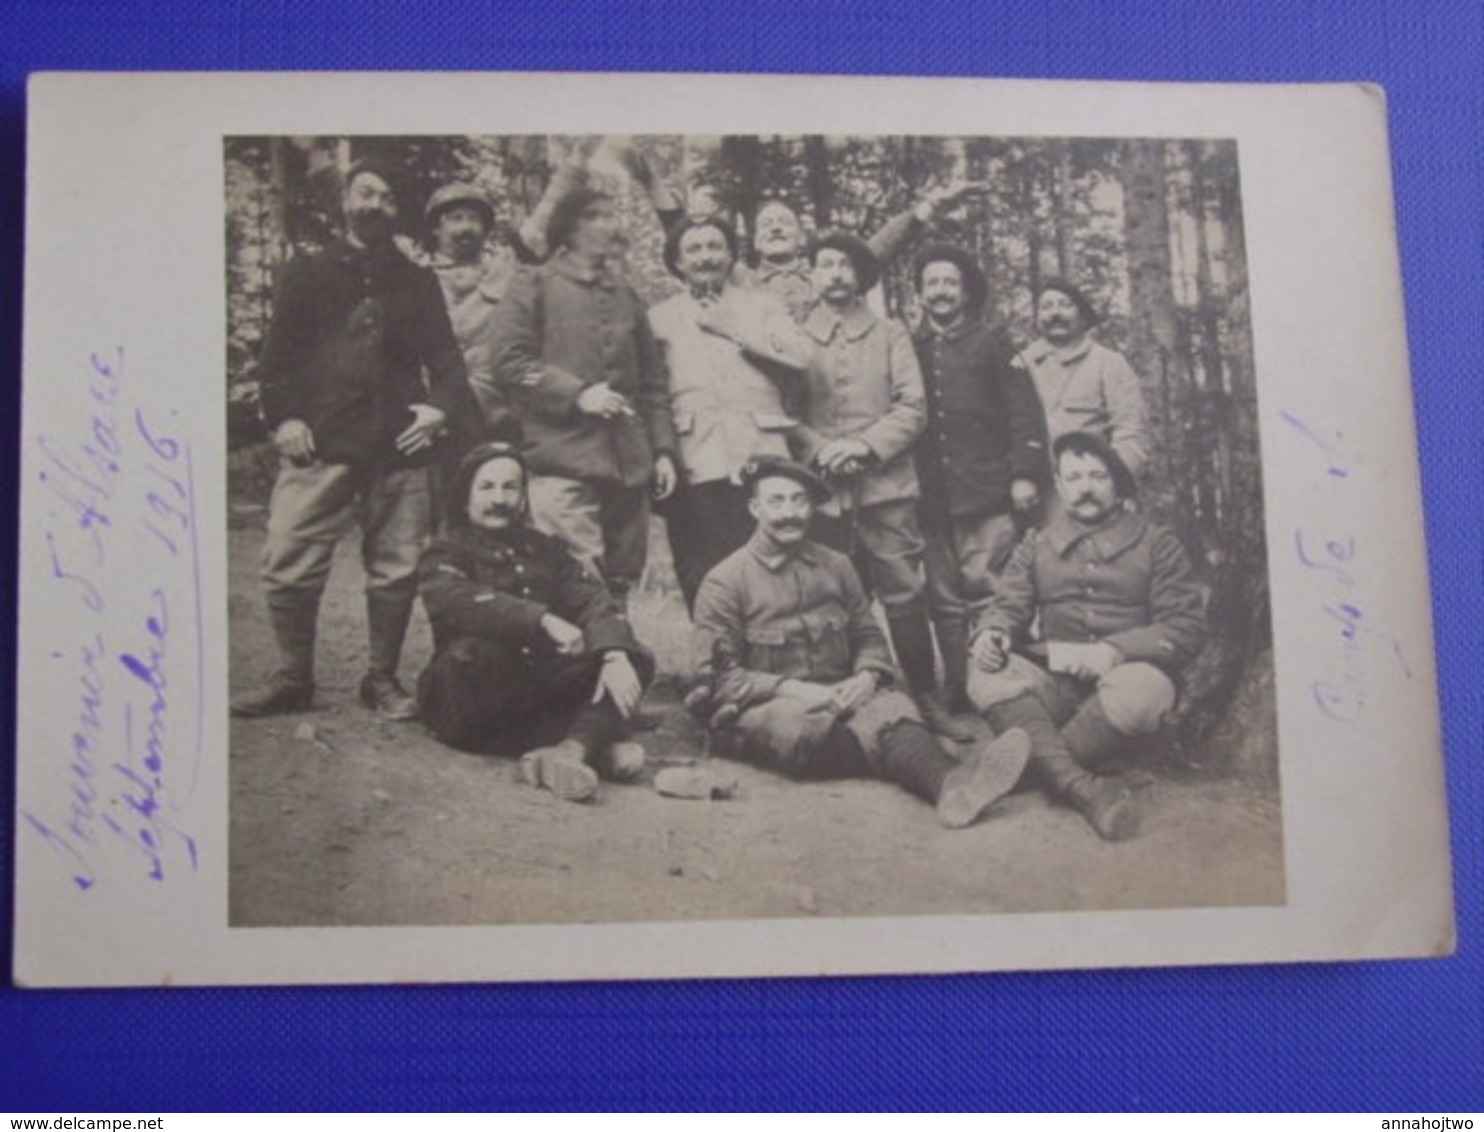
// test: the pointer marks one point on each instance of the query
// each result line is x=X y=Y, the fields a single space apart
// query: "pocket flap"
x=766 y=637
x=772 y=422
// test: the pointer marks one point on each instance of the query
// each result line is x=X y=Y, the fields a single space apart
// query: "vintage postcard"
x=548 y=526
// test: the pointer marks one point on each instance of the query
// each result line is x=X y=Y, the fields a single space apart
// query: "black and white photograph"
x=660 y=527
x=716 y=526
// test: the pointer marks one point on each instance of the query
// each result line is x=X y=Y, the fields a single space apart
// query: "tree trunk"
x=1061 y=197
x=1152 y=318
x=817 y=180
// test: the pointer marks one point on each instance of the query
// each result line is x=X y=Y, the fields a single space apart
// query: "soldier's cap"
x=373 y=168
x=507 y=445
x=867 y=268
x=1072 y=291
x=1091 y=444
x=567 y=212
x=686 y=224
x=762 y=467
x=976 y=287
x=458 y=194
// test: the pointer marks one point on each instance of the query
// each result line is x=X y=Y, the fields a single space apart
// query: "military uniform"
x=496 y=681
x=728 y=359
x=763 y=617
x=559 y=330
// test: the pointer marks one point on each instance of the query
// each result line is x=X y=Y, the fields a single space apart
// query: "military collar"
x=773 y=559
x=766 y=270
x=566 y=264
x=358 y=255
x=516 y=536
x=855 y=323
x=1042 y=350
x=1113 y=537
x=927 y=331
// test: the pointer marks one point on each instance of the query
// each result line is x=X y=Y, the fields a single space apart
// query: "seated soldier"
x=1120 y=617
x=798 y=672
x=531 y=651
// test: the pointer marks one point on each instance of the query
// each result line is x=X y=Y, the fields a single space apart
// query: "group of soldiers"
x=808 y=456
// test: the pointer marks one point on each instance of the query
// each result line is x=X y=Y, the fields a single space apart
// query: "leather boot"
x=562 y=769
x=912 y=641
x=1102 y=801
x=1092 y=740
x=387 y=614
x=953 y=646
x=989 y=772
x=291 y=687
x=911 y=758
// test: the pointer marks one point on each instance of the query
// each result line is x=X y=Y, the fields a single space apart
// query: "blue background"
x=1392 y=1036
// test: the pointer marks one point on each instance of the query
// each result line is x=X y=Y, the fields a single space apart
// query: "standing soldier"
x=864 y=409
x=1085 y=386
x=982 y=459
x=354 y=327
x=578 y=364
x=728 y=349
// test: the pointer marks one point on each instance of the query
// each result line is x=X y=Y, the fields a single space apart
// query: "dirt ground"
x=338 y=818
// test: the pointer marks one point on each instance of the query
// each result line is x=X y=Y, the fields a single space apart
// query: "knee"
x=1136 y=698
x=900 y=584
x=463 y=652
x=782 y=734
x=990 y=689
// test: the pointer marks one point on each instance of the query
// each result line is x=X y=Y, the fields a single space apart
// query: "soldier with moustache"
x=732 y=354
x=1117 y=617
x=356 y=424
x=532 y=653
x=982 y=459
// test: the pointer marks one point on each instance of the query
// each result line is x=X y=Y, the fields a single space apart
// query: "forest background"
x=1151 y=229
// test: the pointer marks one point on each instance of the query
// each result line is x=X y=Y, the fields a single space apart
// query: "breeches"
x=886 y=543
x=1137 y=698
x=705 y=522
x=964 y=557
x=783 y=736
x=313 y=507
x=605 y=525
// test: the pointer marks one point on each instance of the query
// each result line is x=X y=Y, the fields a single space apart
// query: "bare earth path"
x=340 y=819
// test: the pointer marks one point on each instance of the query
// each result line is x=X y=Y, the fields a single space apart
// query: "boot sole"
x=626 y=761
x=287 y=705
x=970 y=790
x=568 y=780
x=405 y=713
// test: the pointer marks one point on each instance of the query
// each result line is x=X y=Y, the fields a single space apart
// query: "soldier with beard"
x=354 y=329
x=531 y=652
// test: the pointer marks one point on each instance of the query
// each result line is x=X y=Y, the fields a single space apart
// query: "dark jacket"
x=1127 y=582
x=985 y=427
x=497 y=584
x=352 y=333
x=558 y=332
